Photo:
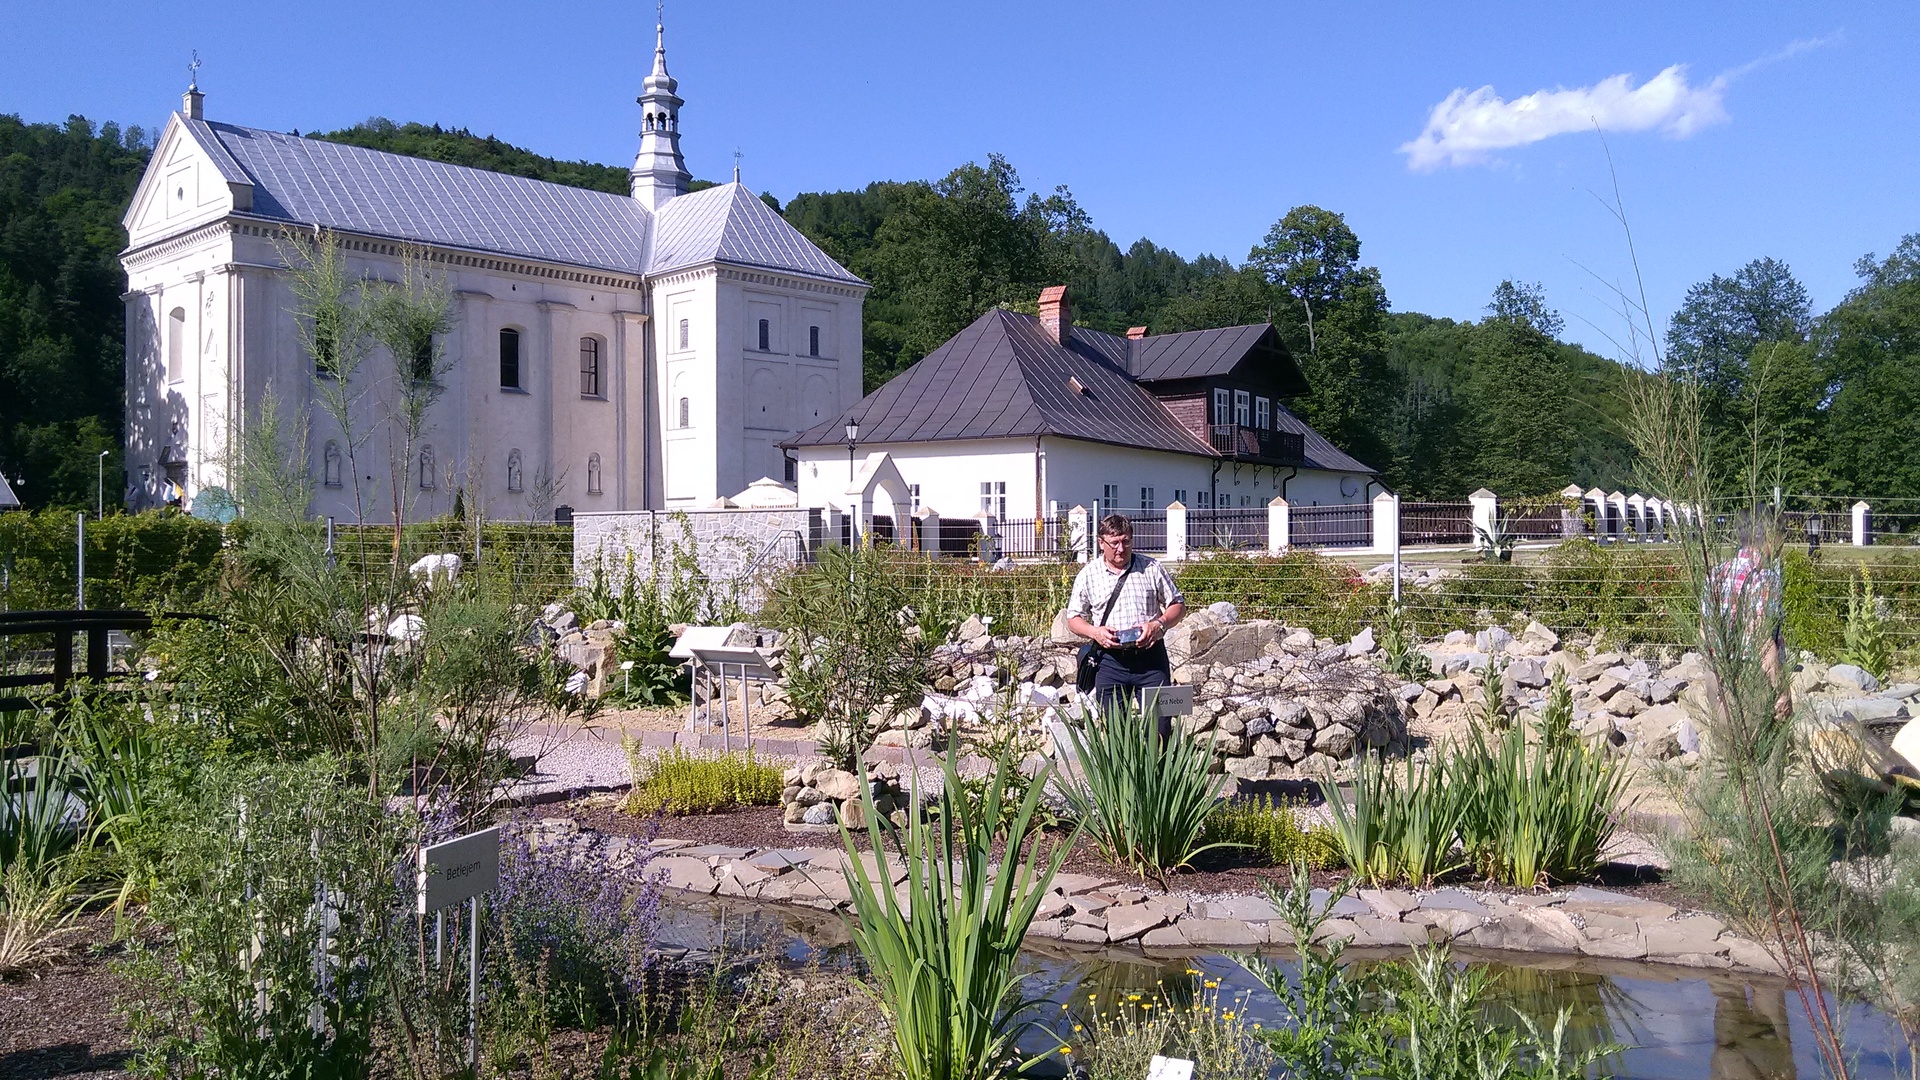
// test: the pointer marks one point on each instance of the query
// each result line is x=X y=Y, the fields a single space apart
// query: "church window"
x=176 y=344
x=766 y=335
x=1242 y=403
x=683 y=333
x=813 y=341
x=420 y=362
x=686 y=413
x=590 y=367
x=330 y=465
x=515 y=478
x=593 y=474
x=1262 y=413
x=1221 y=416
x=509 y=359
x=426 y=469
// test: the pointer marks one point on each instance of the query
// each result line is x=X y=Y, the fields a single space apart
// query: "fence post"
x=989 y=538
x=1279 y=526
x=1598 y=500
x=1386 y=523
x=1862 y=524
x=1177 y=531
x=929 y=529
x=80 y=564
x=1485 y=513
x=1080 y=532
x=834 y=520
x=1570 y=522
x=1637 y=514
x=1617 y=516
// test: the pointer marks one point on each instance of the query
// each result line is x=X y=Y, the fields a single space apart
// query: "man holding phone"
x=1136 y=603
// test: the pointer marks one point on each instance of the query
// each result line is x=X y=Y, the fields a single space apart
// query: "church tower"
x=659 y=173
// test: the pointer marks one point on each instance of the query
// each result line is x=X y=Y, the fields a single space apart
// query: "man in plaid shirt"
x=1147 y=605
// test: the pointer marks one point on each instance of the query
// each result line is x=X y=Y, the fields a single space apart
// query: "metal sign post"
x=705 y=647
x=451 y=871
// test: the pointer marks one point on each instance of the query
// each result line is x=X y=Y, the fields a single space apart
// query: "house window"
x=993 y=498
x=1109 y=498
x=766 y=336
x=913 y=495
x=509 y=359
x=1242 y=405
x=813 y=341
x=1262 y=413
x=426 y=469
x=593 y=474
x=330 y=465
x=1220 y=408
x=686 y=413
x=792 y=475
x=1180 y=496
x=1146 y=498
x=590 y=367
x=1204 y=499
x=515 y=481
x=176 y=344
x=683 y=333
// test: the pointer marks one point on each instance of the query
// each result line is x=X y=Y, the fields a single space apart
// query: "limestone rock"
x=1850 y=677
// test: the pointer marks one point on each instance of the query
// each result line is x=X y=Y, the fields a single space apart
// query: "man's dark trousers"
x=1126 y=672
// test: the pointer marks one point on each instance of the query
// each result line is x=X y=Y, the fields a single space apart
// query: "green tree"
x=1310 y=254
x=1870 y=346
x=1519 y=395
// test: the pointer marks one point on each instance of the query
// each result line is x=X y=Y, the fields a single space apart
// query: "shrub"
x=945 y=975
x=685 y=782
x=1299 y=587
x=1867 y=644
x=152 y=561
x=1269 y=830
x=1396 y=828
x=1810 y=625
x=1145 y=799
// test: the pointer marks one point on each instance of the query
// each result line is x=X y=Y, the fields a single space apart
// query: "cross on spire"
x=736 y=165
x=193 y=71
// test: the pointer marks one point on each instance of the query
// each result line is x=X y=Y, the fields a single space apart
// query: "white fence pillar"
x=1485 y=514
x=833 y=521
x=1176 y=530
x=1617 y=516
x=1597 y=500
x=1571 y=523
x=1080 y=532
x=1386 y=523
x=1637 y=514
x=1279 y=527
x=1862 y=524
x=989 y=538
x=927 y=526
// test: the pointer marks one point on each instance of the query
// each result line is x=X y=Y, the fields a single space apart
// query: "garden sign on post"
x=452 y=871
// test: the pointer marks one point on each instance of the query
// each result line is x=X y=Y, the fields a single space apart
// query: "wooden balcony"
x=1256 y=444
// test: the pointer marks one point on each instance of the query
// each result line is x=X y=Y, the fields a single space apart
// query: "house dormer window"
x=1242 y=408
x=1262 y=413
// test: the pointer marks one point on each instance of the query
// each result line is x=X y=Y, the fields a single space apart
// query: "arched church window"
x=426 y=469
x=176 y=344
x=330 y=464
x=683 y=333
x=766 y=335
x=590 y=367
x=686 y=413
x=813 y=341
x=593 y=474
x=509 y=359
x=514 y=476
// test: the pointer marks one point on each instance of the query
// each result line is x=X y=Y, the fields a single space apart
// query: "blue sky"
x=1791 y=130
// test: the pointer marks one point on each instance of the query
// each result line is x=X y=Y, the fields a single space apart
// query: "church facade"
x=604 y=352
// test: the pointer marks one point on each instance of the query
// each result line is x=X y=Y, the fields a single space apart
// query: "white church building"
x=606 y=352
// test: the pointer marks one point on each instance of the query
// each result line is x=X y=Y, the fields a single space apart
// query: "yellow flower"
x=1228 y=1015
x=1211 y=984
x=1076 y=1027
x=1193 y=971
x=1133 y=997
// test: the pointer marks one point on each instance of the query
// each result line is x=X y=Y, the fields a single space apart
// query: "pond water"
x=1675 y=1022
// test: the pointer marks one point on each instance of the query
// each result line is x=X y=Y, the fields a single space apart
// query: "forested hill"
x=1442 y=407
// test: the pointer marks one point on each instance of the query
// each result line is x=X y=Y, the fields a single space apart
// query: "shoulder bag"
x=1090 y=653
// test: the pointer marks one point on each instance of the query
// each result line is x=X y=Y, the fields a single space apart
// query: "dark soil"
x=64 y=1021
x=1217 y=872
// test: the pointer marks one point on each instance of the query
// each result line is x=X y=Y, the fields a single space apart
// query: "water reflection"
x=1675 y=1024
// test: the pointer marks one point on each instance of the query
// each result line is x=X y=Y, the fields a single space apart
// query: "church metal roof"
x=1003 y=377
x=730 y=224
x=314 y=182
x=304 y=181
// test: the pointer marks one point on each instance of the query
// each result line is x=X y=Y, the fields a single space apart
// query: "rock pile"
x=818 y=794
x=590 y=649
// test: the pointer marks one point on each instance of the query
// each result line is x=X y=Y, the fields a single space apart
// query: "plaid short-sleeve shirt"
x=1147 y=592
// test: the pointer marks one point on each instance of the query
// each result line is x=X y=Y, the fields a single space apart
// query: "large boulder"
x=1202 y=638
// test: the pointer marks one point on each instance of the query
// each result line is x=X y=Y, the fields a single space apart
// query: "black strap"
x=1114 y=596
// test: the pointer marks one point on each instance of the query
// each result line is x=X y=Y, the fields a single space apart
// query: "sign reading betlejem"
x=459 y=869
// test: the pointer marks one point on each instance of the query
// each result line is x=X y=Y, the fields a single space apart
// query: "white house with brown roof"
x=642 y=351
x=1022 y=418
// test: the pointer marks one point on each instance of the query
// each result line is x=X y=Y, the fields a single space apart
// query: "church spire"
x=659 y=172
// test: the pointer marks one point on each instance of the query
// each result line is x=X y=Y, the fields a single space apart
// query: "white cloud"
x=1465 y=128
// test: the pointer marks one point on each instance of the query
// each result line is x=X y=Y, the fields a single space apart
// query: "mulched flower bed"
x=1218 y=872
x=64 y=1021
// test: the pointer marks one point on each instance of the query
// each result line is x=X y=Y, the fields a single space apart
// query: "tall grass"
x=1397 y=827
x=1144 y=799
x=943 y=944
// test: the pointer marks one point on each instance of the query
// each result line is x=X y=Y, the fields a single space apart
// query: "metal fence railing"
x=1340 y=525
x=1149 y=531
x=1436 y=523
x=1035 y=538
x=1227 y=528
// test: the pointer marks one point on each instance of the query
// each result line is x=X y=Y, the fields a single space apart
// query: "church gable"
x=187 y=183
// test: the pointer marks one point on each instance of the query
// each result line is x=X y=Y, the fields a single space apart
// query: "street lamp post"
x=853 y=438
x=100 y=488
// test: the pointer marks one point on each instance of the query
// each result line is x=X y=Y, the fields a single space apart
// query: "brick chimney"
x=1056 y=313
x=1135 y=333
